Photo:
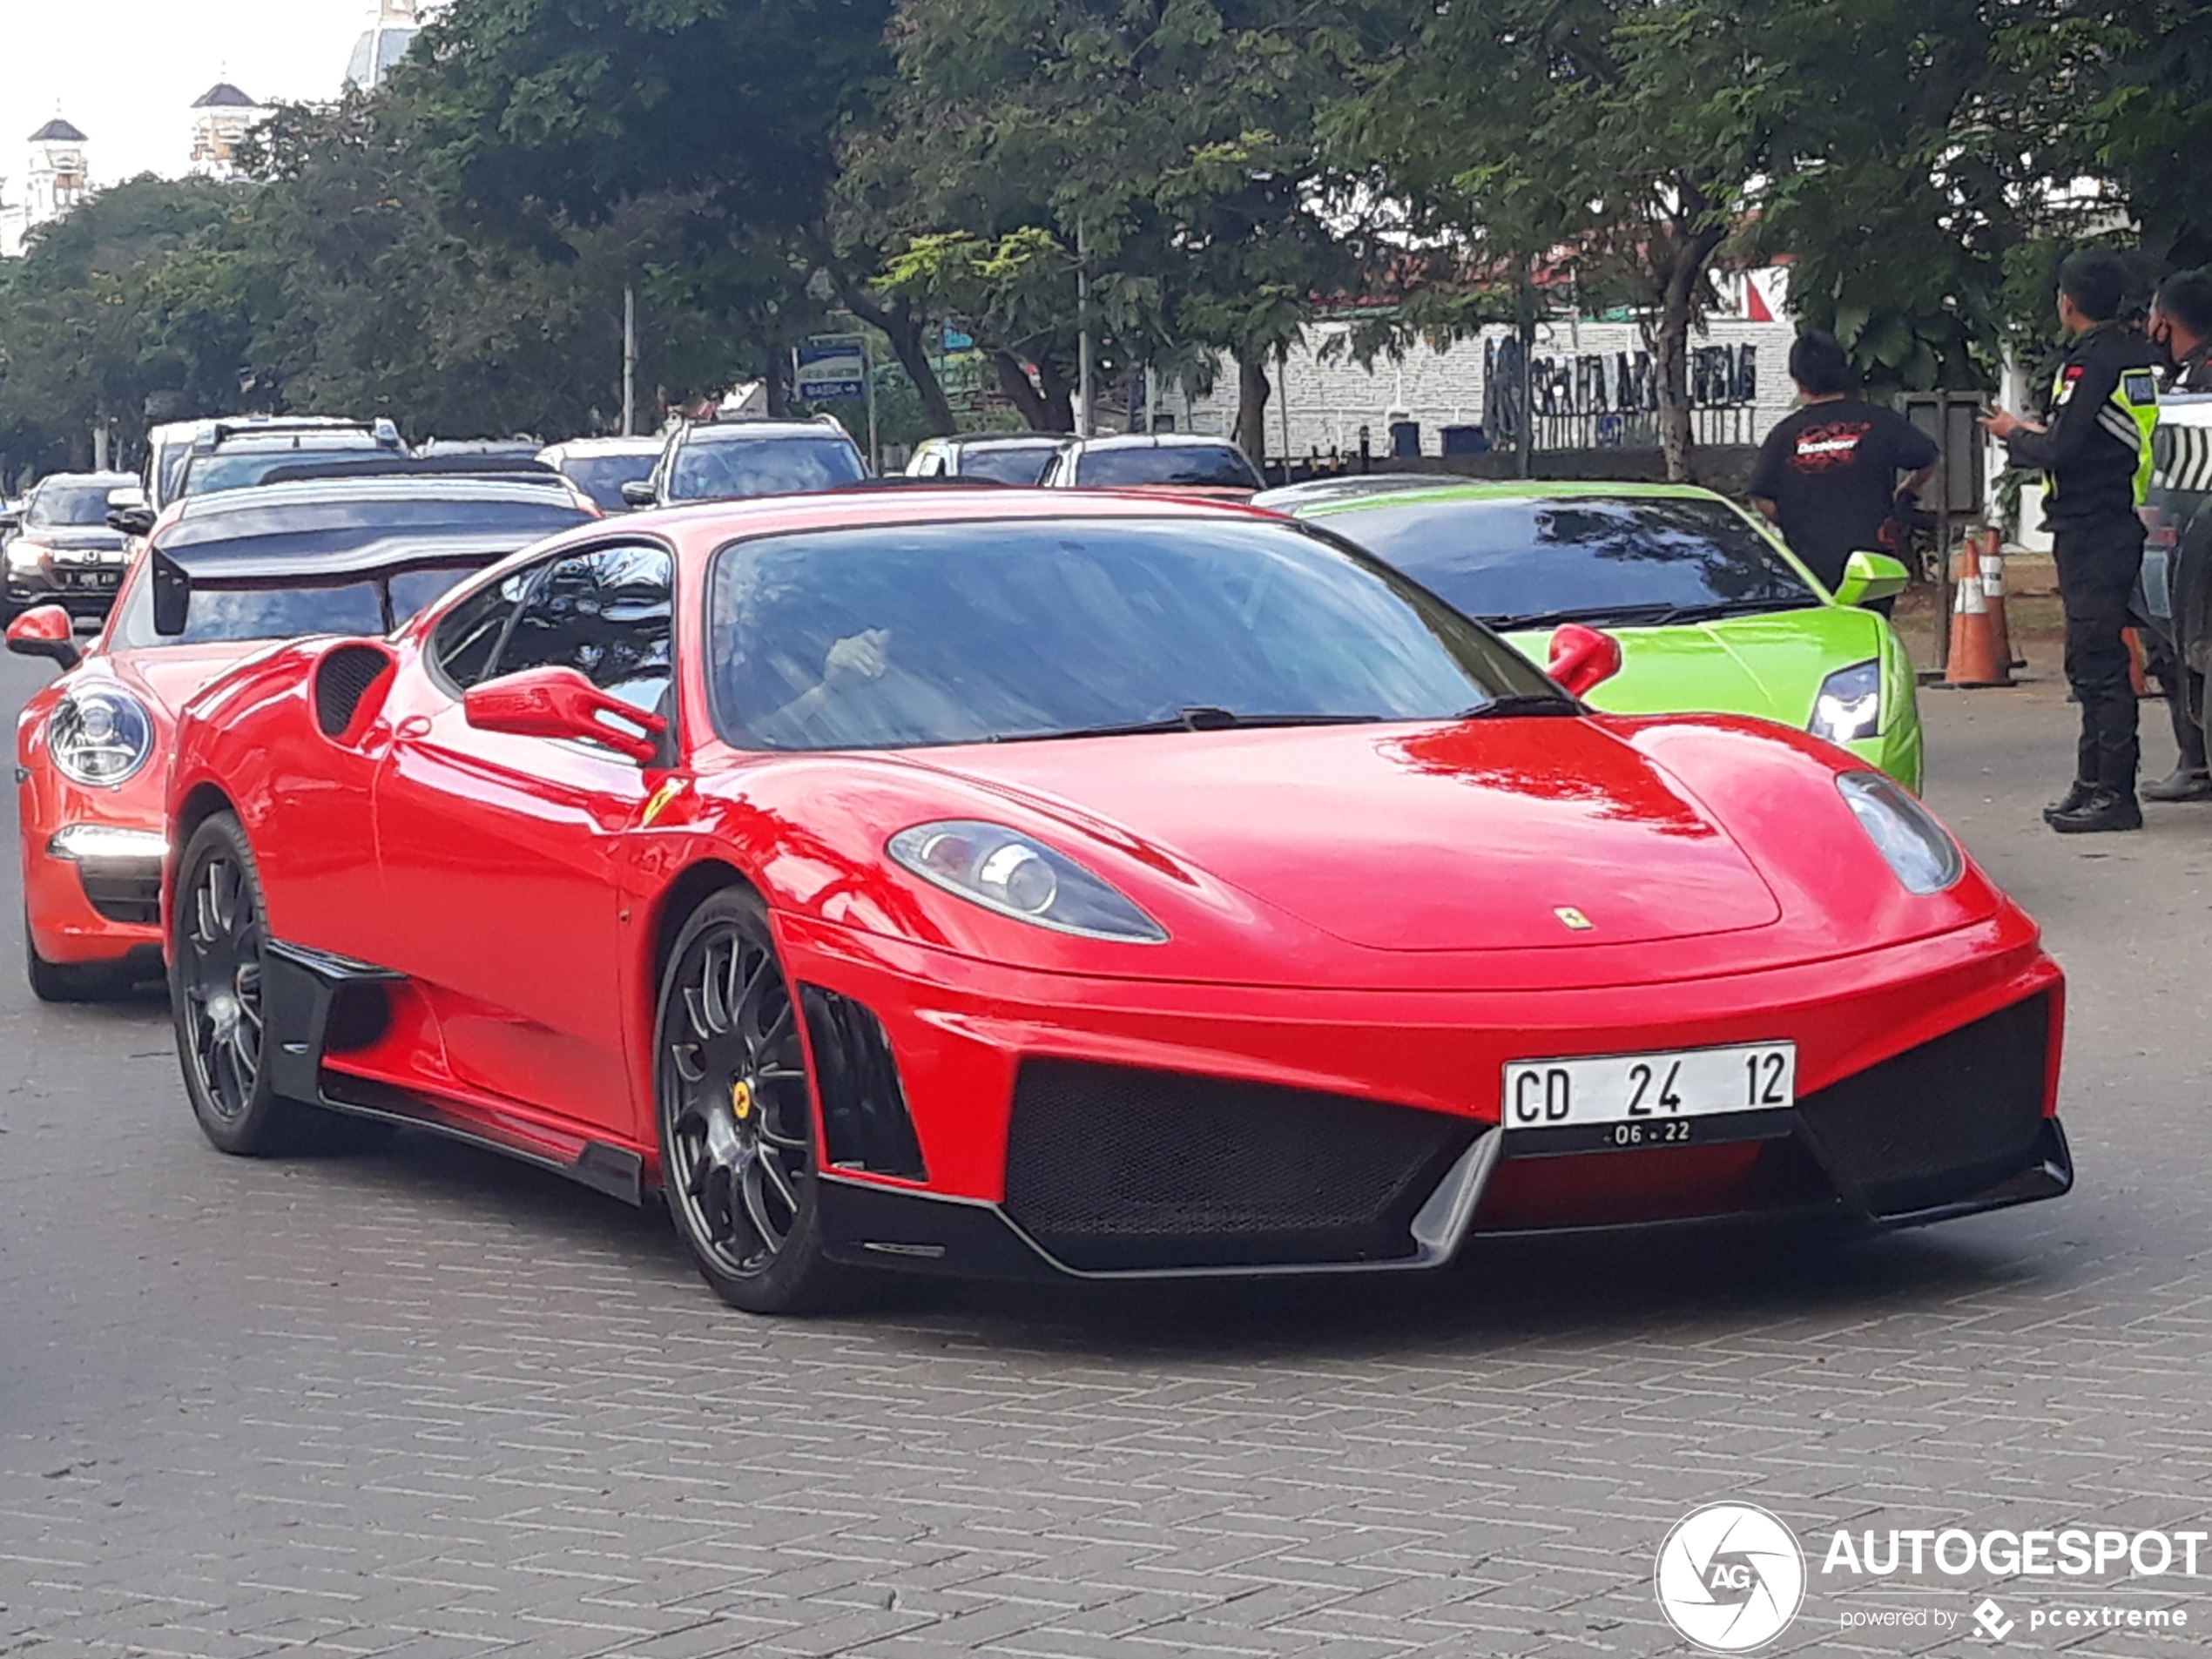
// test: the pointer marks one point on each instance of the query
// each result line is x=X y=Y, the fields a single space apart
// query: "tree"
x=1166 y=147
x=1627 y=141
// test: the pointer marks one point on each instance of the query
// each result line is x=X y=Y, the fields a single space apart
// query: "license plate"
x=1623 y=1103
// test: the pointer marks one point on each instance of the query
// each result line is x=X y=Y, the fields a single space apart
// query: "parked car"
x=1078 y=888
x=603 y=466
x=736 y=456
x=994 y=457
x=1713 y=612
x=223 y=575
x=239 y=454
x=170 y=448
x=1183 y=462
x=517 y=448
x=59 y=549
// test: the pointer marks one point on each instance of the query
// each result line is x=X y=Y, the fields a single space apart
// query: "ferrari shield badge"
x=1573 y=919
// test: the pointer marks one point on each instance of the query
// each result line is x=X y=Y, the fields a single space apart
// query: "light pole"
x=629 y=361
x=1083 y=367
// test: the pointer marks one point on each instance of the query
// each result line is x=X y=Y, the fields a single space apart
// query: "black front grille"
x=129 y=894
x=343 y=679
x=1942 y=1122
x=1112 y=1167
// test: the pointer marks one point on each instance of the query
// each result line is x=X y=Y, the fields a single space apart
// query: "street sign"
x=832 y=367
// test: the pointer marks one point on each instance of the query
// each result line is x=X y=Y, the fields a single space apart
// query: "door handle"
x=415 y=725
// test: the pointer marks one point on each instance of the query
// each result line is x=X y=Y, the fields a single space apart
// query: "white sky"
x=126 y=72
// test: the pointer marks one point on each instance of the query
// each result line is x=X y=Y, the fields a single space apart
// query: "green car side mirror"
x=1869 y=577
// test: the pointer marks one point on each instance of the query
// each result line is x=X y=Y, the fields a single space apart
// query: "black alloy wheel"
x=216 y=944
x=736 y=1113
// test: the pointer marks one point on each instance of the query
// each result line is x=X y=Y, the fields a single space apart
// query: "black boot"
x=2074 y=800
x=2107 y=809
x=2181 y=784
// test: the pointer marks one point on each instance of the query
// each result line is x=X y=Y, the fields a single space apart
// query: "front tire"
x=735 y=1112
x=218 y=937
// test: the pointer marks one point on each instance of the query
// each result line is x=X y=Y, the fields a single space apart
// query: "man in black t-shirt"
x=1828 y=474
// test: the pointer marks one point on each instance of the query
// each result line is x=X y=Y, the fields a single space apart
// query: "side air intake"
x=345 y=675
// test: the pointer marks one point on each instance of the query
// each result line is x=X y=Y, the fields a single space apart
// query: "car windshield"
x=374 y=605
x=1195 y=465
x=1517 y=562
x=724 y=468
x=77 y=505
x=1006 y=463
x=211 y=474
x=602 y=477
x=910 y=635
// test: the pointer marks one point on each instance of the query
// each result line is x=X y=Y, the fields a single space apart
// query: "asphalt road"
x=423 y=1402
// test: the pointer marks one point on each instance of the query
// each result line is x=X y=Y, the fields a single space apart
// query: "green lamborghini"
x=1713 y=612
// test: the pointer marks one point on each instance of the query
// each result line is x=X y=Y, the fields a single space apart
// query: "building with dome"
x=221 y=117
x=391 y=30
x=57 y=178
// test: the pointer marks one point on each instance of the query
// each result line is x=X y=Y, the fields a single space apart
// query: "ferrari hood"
x=1504 y=834
x=1769 y=665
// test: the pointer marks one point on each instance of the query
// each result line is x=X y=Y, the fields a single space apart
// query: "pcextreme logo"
x=1730 y=1577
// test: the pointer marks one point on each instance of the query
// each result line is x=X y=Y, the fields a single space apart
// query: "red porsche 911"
x=1036 y=883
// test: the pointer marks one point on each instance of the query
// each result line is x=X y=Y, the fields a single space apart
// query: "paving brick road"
x=426 y=1403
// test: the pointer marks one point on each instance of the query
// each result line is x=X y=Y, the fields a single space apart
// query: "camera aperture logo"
x=1730 y=1577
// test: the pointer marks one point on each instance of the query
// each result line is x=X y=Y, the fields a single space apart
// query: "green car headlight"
x=1849 y=708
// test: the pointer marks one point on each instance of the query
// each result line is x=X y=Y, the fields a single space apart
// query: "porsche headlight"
x=1918 y=848
x=1003 y=870
x=99 y=735
x=1849 y=707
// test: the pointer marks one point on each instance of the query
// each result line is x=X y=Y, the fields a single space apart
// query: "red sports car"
x=1042 y=884
x=350 y=555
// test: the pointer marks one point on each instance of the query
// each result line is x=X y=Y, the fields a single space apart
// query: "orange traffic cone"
x=1974 y=659
x=1990 y=557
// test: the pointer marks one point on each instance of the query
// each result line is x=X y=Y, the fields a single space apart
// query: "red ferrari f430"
x=1056 y=886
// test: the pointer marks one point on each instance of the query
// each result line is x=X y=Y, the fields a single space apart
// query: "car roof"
x=113 y=480
x=1026 y=440
x=584 y=447
x=1506 y=490
x=753 y=426
x=1150 y=441
x=717 y=522
x=380 y=487
x=258 y=443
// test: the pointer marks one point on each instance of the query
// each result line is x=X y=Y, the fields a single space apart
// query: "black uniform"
x=2096 y=460
x=2193 y=372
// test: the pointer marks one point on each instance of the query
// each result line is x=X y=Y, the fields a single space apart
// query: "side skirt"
x=299 y=988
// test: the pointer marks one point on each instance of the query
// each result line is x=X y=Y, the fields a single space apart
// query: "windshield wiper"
x=1199 y=718
x=1521 y=703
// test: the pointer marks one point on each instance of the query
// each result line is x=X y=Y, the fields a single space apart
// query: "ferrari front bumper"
x=1115 y=1129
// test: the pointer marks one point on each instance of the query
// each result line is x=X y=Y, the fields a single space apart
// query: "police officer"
x=2095 y=455
x=2181 y=320
x=2181 y=323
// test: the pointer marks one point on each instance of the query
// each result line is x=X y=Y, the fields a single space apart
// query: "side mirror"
x=131 y=521
x=561 y=703
x=1583 y=658
x=46 y=631
x=10 y=520
x=639 y=492
x=1871 y=576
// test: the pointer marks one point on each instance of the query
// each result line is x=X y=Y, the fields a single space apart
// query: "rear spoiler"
x=492 y=468
x=175 y=575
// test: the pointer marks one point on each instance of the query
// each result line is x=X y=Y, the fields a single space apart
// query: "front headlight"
x=24 y=555
x=1849 y=707
x=1003 y=870
x=99 y=735
x=1914 y=846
